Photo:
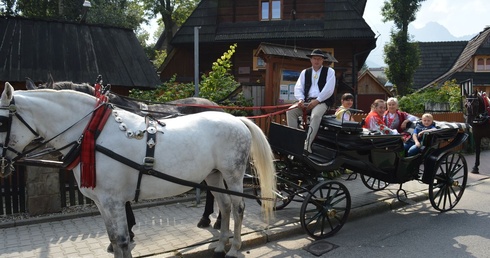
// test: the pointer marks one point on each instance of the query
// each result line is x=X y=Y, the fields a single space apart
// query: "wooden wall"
x=243 y=11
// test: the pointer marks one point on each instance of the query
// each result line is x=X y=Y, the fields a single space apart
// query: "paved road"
x=170 y=230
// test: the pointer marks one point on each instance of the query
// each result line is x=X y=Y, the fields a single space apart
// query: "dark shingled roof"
x=465 y=53
x=343 y=20
x=73 y=52
x=287 y=51
x=435 y=59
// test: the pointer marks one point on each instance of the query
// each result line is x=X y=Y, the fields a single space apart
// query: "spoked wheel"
x=325 y=209
x=448 y=182
x=373 y=183
x=284 y=194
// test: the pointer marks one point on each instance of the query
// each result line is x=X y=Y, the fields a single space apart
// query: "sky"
x=459 y=17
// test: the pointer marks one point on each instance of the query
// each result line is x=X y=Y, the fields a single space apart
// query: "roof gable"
x=370 y=76
x=435 y=59
x=463 y=59
x=72 y=51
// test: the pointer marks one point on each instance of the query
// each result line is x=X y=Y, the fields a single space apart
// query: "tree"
x=7 y=7
x=119 y=13
x=171 y=16
x=401 y=55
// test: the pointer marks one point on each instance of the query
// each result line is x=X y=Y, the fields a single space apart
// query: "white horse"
x=210 y=146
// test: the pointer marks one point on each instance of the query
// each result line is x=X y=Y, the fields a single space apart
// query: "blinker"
x=4 y=124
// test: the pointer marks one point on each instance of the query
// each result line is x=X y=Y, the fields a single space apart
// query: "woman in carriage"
x=374 y=120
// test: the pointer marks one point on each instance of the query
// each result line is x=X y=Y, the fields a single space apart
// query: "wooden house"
x=370 y=89
x=72 y=52
x=459 y=60
x=336 y=26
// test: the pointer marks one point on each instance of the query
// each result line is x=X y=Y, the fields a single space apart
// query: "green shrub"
x=449 y=92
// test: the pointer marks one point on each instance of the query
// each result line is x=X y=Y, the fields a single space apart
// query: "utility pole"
x=196 y=61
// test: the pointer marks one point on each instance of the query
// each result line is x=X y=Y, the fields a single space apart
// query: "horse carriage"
x=189 y=156
x=378 y=159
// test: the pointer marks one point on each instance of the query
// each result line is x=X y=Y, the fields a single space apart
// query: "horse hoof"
x=219 y=255
x=475 y=172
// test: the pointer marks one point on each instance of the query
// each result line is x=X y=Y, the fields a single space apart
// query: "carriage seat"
x=444 y=132
x=329 y=122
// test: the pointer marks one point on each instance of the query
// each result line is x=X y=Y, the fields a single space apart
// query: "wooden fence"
x=13 y=192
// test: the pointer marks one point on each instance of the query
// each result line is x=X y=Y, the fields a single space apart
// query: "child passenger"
x=342 y=113
x=413 y=145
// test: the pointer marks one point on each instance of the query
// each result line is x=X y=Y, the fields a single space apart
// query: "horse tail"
x=263 y=162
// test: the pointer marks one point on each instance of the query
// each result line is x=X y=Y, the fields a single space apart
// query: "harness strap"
x=158 y=174
x=149 y=160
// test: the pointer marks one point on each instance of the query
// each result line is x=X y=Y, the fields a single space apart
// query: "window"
x=482 y=64
x=270 y=10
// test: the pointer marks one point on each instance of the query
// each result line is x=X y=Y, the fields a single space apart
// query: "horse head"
x=6 y=167
x=15 y=132
x=474 y=108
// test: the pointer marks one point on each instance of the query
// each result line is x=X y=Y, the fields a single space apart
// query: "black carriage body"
x=345 y=145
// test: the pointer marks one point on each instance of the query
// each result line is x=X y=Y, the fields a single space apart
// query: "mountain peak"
x=431 y=32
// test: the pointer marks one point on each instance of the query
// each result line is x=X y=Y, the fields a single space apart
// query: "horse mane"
x=67 y=85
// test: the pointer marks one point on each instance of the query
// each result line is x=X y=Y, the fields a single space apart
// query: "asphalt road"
x=416 y=230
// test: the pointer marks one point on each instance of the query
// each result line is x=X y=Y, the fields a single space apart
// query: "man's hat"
x=326 y=56
x=317 y=52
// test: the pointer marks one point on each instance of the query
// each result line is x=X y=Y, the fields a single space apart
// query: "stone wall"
x=43 y=190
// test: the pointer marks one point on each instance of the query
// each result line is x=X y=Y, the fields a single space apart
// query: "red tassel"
x=87 y=156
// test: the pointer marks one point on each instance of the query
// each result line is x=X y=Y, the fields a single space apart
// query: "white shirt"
x=314 y=92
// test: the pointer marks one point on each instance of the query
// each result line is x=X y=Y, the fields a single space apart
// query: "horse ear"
x=30 y=85
x=7 y=94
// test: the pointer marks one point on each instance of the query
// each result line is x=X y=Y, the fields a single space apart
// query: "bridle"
x=472 y=107
x=6 y=165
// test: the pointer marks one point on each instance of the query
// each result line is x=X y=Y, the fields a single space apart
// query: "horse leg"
x=215 y=179
x=475 y=169
x=114 y=215
x=238 y=209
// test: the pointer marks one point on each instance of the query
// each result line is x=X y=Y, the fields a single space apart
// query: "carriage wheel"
x=325 y=209
x=373 y=183
x=284 y=194
x=448 y=182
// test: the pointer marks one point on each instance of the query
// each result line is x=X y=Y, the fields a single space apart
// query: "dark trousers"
x=209 y=206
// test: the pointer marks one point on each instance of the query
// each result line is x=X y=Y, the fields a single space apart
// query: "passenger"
x=315 y=85
x=396 y=119
x=342 y=113
x=374 y=120
x=413 y=145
